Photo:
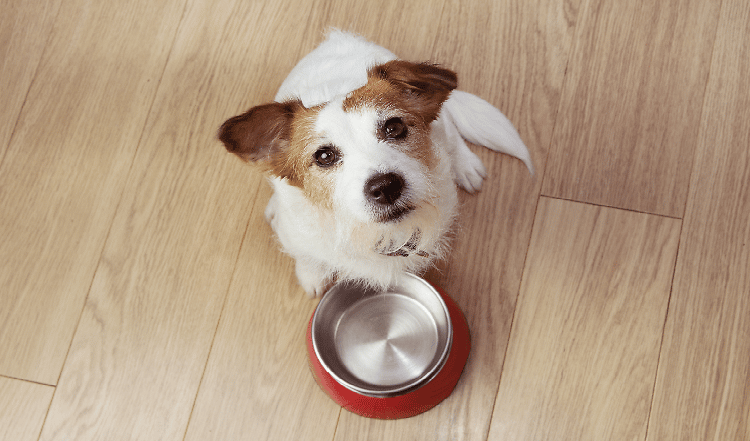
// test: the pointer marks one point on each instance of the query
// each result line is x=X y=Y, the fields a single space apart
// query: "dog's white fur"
x=341 y=237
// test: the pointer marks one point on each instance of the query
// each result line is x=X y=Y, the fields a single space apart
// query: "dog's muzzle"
x=385 y=193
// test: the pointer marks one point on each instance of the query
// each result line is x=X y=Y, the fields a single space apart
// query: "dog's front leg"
x=313 y=277
x=468 y=170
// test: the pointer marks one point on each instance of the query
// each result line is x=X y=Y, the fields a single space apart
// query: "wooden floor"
x=142 y=295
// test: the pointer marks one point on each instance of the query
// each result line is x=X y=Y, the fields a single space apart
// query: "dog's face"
x=368 y=154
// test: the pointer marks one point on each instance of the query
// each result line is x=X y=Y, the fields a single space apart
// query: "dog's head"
x=368 y=153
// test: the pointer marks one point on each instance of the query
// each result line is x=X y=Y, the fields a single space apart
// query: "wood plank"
x=583 y=352
x=404 y=28
x=23 y=406
x=258 y=384
x=631 y=105
x=519 y=66
x=64 y=171
x=514 y=70
x=704 y=374
x=24 y=29
x=140 y=352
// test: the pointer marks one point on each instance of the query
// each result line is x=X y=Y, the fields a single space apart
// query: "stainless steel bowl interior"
x=382 y=343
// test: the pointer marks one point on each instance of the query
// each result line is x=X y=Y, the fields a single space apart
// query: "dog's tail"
x=479 y=122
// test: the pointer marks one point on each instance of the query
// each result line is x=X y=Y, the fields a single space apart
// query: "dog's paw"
x=313 y=279
x=468 y=170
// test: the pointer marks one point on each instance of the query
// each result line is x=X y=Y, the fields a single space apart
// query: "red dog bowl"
x=388 y=354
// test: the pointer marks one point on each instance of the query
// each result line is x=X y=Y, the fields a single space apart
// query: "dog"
x=365 y=153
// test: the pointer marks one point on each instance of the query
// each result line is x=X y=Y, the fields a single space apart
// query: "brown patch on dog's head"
x=263 y=135
x=281 y=140
x=315 y=181
x=412 y=93
x=418 y=88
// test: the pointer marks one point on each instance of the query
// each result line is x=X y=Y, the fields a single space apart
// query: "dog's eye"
x=394 y=128
x=326 y=156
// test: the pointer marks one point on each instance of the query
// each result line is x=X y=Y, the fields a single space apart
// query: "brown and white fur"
x=364 y=152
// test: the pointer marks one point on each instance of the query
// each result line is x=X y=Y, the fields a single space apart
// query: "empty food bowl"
x=388 y=354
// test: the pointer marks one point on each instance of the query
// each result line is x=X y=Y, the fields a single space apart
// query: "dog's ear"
x=425 y=86
x=262 y=135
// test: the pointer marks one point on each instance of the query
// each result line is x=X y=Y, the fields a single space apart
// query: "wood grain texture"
x=23 y=406
x=513 y=71
x=258 y=367
x=703 y=387
x=583 y=353
x=140 y=351
x=519 y=67
x=397 y=26
x=64 y=171
x=257 y=384
x=133 y=243
x=631 y=106
x=24 y=29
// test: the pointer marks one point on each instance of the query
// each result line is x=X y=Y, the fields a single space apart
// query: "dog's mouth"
x=393 y=213
x=407 y=249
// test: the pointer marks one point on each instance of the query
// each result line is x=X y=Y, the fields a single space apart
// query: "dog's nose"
x=384 y=188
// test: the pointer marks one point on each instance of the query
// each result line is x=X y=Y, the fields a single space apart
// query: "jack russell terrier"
x=365 y=153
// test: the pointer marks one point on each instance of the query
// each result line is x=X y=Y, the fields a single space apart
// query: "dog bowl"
x=387 y=354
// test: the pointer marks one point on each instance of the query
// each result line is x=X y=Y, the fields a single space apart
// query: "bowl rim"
x=419 y=381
